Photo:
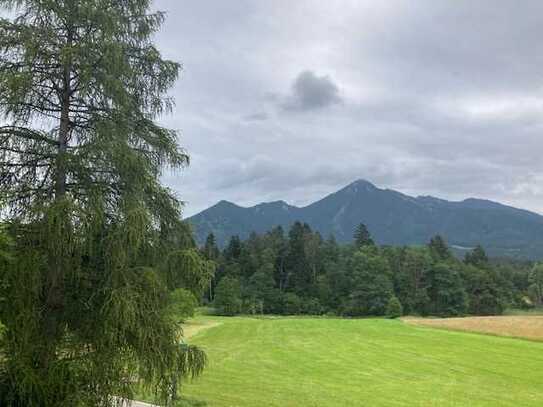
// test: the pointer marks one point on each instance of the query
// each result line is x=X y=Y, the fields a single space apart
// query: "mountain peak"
x=393 y=218
x=362 y=182
x=360 y=185
x=225 y=204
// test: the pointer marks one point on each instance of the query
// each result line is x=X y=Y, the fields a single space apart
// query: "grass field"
x=366 y=362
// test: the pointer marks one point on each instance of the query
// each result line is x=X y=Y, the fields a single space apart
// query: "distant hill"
x=392 y=218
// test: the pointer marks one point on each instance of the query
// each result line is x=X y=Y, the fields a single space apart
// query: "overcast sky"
x=294 y=99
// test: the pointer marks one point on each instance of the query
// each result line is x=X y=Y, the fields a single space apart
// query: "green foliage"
x=411 y=272
x=210 y=249
x=183 y=303
x=304 y=274
x=186 y=268
x=292 y=304
x=299 y=259
x=372 y=283
x=483 y=291
x=439 y=249
x=394 y=308
x=447 y=294
x=97 y=245
x=260 y=292
x=233 y=250
x=477 y=257
x=5 y=245
x=535 y=280
x=228 y=296
x=362 y=236
x=311 y=306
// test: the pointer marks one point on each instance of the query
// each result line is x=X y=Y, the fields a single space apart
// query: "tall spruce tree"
x=97 y=242
x=362 y=236
x=210 y=249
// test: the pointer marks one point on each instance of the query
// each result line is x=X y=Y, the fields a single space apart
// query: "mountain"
x=392 y=218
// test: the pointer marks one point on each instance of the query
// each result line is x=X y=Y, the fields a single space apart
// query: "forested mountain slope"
x=391 y=217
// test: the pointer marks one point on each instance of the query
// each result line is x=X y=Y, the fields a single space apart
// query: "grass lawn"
x=366 y=362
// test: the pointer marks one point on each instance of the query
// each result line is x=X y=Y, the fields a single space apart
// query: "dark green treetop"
x=439 y=249
x=362 y=236
x=477 y=257
x=210 y=249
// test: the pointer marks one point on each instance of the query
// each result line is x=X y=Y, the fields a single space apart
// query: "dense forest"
x=302 y=273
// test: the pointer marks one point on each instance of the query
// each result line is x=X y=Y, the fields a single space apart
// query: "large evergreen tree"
x=98 y=246
x=362 y=236
x=210 y=249
x=299 y=272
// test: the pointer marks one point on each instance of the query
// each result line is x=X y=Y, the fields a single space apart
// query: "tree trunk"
x=54 y=295
x=64 y=128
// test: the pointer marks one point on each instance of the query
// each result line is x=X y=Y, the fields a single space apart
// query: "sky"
x=292 y=100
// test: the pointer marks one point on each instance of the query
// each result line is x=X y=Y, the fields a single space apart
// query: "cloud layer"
x=292 y=100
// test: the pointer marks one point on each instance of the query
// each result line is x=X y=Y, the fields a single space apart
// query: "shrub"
x=394 y=308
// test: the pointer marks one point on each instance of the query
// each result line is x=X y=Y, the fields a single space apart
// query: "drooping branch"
x=27 y=133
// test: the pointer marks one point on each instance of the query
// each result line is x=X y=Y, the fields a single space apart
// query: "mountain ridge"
x=392 y=217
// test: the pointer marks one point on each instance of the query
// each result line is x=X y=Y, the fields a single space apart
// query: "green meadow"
x=359 y=362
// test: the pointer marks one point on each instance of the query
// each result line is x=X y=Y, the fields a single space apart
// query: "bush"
x=394 y=308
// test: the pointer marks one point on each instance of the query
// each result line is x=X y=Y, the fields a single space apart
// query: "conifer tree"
x=439 y=249
x=97 y=241
x=210 y=250
x=362 y=236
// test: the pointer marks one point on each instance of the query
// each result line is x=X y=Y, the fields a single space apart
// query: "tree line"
x=299 y=272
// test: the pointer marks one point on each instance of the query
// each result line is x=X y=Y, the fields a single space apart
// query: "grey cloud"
x=310 y=91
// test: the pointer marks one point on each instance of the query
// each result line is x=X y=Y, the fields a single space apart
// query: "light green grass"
x=366 y=362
